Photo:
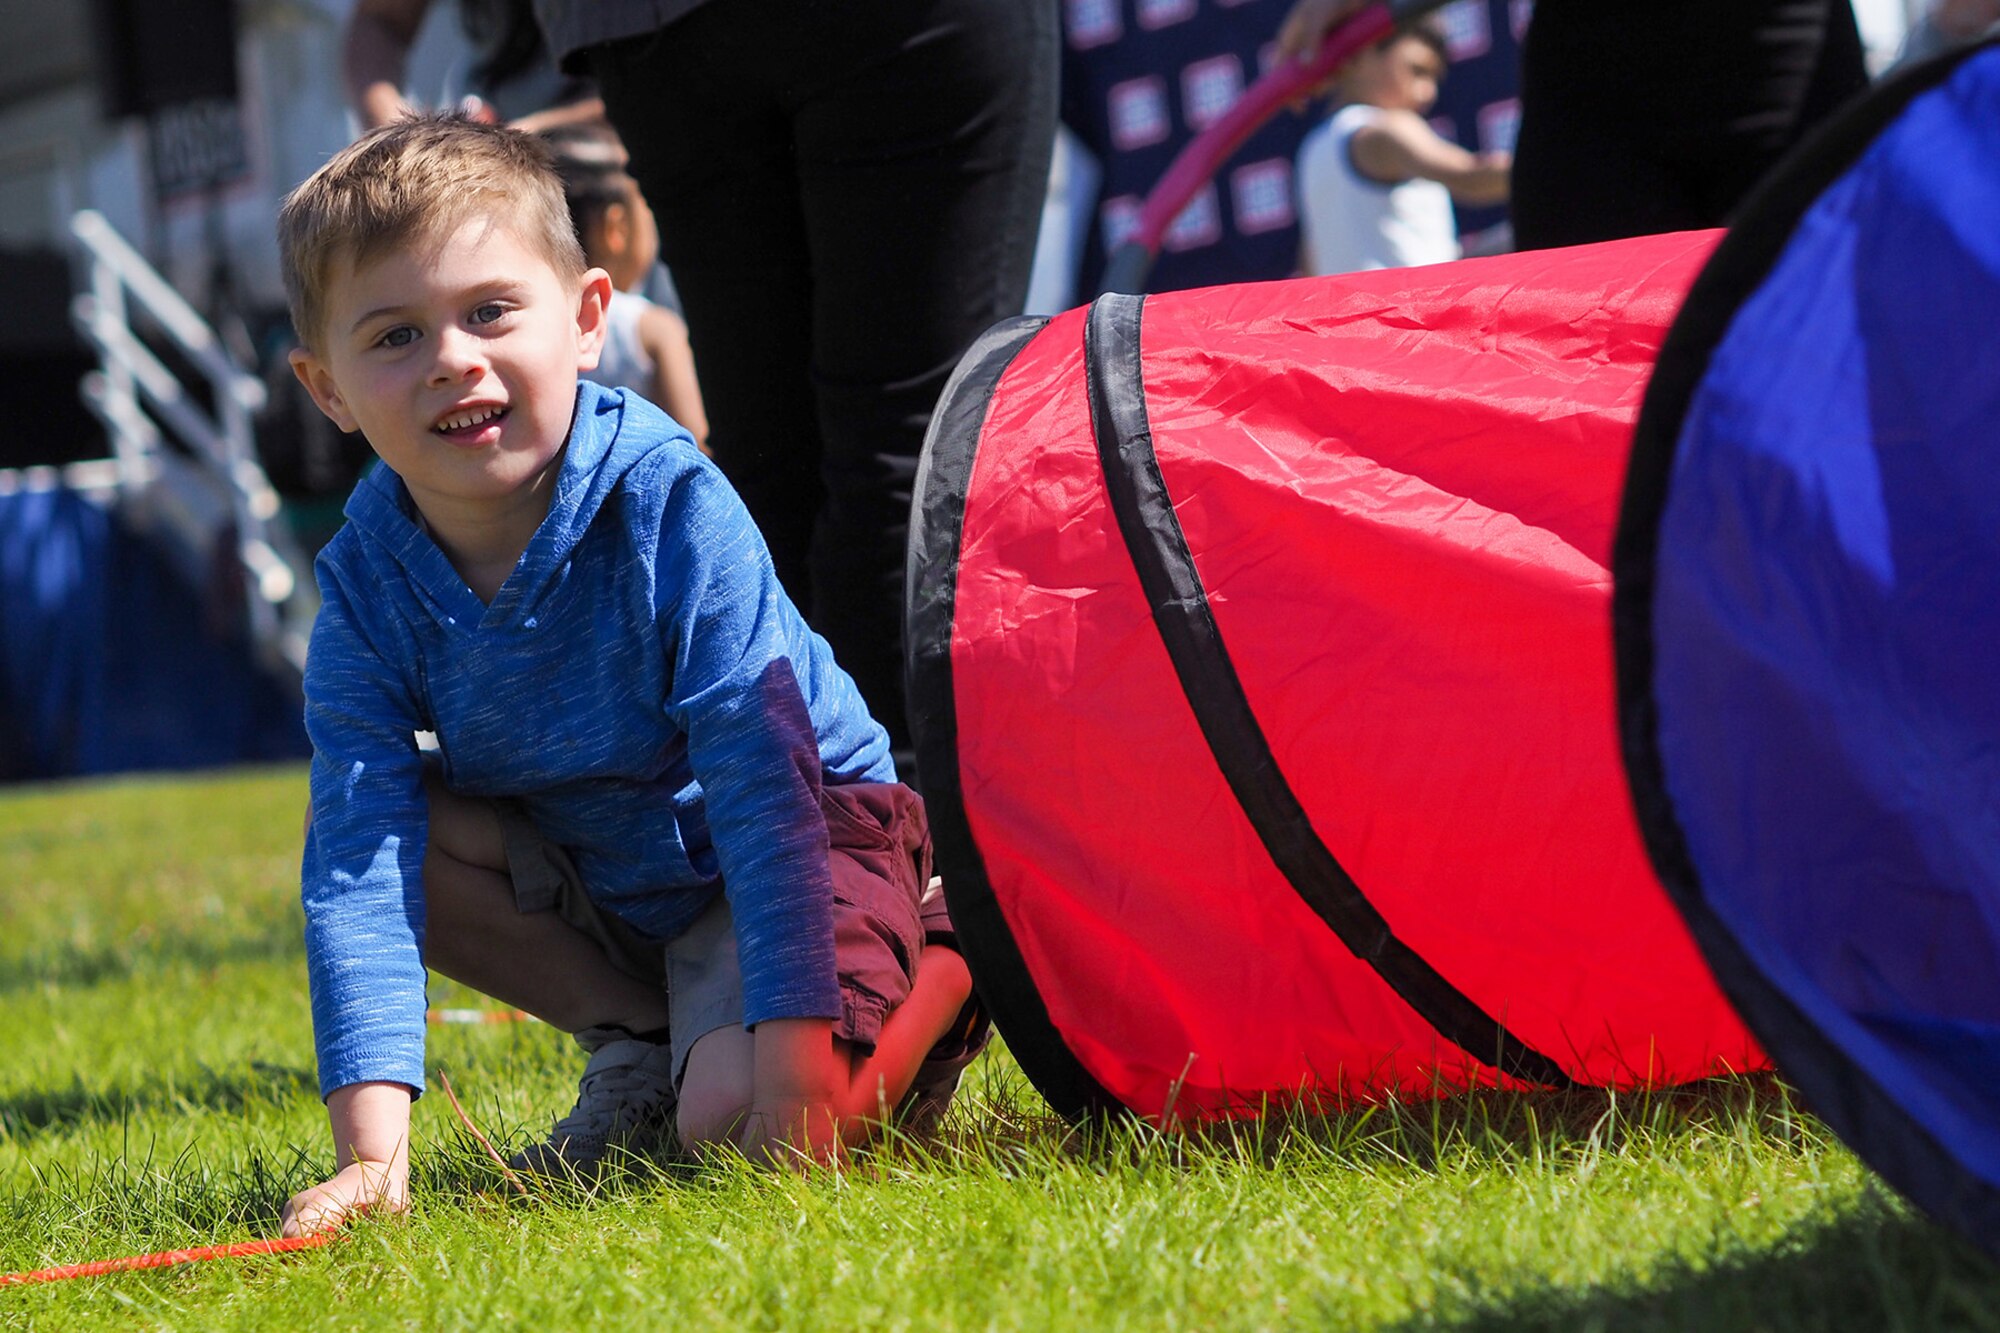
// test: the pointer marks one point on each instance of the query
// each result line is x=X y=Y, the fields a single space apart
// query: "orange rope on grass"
x=480 y=1135
x=248 y=1248
x=165 y=1259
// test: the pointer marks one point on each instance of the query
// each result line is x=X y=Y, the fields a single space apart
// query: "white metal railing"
x=216 y=482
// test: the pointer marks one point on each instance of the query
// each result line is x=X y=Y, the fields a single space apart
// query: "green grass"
x=156 y=1091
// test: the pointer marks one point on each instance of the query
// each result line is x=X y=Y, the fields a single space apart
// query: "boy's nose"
x=458 y=354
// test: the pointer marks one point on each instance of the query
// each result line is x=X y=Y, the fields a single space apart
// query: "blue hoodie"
x=640 y=682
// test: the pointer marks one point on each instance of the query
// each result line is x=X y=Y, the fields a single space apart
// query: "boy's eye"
x=488 y=313
x=400 y=336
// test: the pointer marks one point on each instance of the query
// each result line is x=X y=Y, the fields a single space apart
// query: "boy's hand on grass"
x=791 y=1133
x=798 y=1082
x=359 y=1187
x=371 y=1140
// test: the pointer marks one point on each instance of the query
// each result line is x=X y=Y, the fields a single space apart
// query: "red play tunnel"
x=1261 y=669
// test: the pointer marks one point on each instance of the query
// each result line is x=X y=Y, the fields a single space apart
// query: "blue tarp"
x=1825 y=637
x=110 y=662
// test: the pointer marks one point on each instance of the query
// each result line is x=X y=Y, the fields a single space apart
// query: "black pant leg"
x=847 y=196
x=922 y=228
x=1640 y=116
x=1579 y=179
x=711 y=147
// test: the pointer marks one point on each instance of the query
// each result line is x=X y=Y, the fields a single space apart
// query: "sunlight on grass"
x=156 y=1091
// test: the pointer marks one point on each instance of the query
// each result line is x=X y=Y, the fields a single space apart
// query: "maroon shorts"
x=885 y=906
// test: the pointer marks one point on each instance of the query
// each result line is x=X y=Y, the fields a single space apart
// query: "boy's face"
x=1404 y=76
x=458 y=360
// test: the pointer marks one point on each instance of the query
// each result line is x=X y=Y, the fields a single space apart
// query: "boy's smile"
x=458 y=360
x=471 y=428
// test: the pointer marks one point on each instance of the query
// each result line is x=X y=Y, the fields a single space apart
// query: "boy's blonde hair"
x=411 y=181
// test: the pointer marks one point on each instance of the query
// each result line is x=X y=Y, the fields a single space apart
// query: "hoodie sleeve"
x=731 y=642
x=361 y=883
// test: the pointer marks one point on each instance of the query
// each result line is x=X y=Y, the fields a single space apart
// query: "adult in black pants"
x=1643 y=116
x=847 y=195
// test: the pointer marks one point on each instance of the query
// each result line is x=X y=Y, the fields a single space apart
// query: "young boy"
x=1376 y=182
x=652 y=782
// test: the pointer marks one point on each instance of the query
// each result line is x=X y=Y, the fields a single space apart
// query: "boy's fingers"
x=1302 y=103
x=1293 y=34
x=328 y=1206
x=308 y=1214
x=1299 y=35
x=789 y=1133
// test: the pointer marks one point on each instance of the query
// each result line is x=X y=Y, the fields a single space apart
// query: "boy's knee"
x=710 y=1119
x=464 y=828
x=717 y=1088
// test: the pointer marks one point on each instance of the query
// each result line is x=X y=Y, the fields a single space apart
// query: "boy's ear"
x=592 y=318
x=319 y=382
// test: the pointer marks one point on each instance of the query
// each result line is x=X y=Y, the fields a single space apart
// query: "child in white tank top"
x=1376 y=182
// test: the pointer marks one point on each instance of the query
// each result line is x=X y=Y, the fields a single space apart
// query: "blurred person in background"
x=1641 y=118
x=1950 y=23
x=847 y=197
x=511 y=79
x=1376 y=182
x=645 y=345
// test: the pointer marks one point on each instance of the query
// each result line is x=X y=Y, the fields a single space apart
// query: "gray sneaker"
x=625 y=1102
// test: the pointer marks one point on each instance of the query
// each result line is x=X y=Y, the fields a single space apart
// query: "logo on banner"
x=1500 y=125
x=1519 y=12
x=1209 y=88
x=1199 y=224
x=1092 y=23
x=1262 y=195
x=1139 y=113
x=1118 y=218
x=1164 y=13
x=1468 y=29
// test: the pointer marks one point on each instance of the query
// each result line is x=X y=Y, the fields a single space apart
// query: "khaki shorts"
x=884 y=908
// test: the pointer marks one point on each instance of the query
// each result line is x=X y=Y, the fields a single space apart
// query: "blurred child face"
x=1402 y=76
x=458 y=360
x=645 y=235
x=625 y=242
